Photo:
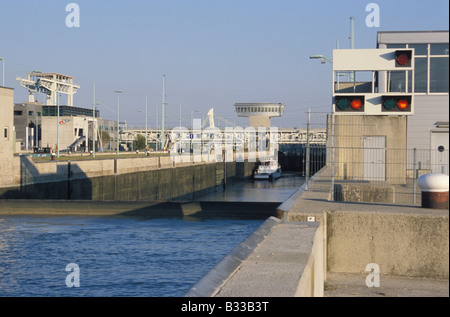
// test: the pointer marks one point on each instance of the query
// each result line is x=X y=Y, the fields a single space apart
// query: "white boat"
x=269 y=169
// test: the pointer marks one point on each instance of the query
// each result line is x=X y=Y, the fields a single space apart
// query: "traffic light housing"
x=403 y=58
x=350 y=103
x=399 y=104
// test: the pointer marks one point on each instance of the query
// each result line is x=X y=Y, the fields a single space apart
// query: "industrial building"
x=428 y=127
x=45 y=126
x=390 y=122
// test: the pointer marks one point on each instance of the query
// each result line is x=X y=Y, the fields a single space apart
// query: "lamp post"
x=118 y=92
x=93 y=126
x=146 y=122
x=57 y=121
x=323 y=58
x=323 y=61
x=3 y=70
x=163 y=136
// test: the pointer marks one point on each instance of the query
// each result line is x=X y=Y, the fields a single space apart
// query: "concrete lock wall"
x=149 y=178
x=401 y=244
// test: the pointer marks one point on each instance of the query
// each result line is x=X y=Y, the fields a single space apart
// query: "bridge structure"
x=286 y=136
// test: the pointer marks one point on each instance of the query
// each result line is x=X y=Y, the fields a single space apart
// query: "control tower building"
x=259 y=114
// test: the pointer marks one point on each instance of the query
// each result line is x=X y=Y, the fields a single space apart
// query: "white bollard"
x=435 y=188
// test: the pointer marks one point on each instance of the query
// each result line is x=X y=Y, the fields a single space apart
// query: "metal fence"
x=361 y=164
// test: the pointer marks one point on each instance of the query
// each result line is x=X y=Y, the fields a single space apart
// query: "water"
x=116 y=256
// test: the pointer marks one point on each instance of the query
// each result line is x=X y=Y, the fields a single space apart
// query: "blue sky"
x=213 y=53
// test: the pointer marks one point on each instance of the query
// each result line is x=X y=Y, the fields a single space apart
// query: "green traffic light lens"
x=343 y=104
x=389 y=104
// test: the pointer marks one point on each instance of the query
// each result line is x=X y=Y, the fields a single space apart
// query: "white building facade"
x=428 y=127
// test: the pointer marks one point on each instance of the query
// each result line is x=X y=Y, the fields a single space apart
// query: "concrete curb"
x=209 y=284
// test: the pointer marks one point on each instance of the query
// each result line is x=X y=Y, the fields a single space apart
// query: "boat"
x=269 y=169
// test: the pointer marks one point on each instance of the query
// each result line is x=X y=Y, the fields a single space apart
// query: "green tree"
x=139 y=142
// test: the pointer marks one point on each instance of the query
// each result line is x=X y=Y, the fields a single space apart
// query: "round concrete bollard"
x=434 y=190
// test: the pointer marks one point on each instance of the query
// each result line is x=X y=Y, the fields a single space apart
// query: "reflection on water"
x=278 y=190
x=117 y=256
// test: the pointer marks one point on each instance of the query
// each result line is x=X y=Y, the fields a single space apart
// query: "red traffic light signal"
x=403 y=58
x=396 y=104
x=349 y=103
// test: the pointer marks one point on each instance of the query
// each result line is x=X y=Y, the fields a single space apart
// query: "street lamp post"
x=323 y=61
x=323 y=58
x=117 y=134
x=93 y=127
x=57 y=121
x=3 y=70
x=146 y=123
x=163 y=141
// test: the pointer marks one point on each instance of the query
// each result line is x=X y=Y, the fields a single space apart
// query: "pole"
x=157 y=128
x=36 y=142
x=308 y=153
x=332 y=156
x=353 y=46
x=179 y=137
x=3 y=70
x=353 y=32
x=162 y=124
x=117 y=132
x=93 y=127
x=57 y=123
x=415 y=177
x=146 y=132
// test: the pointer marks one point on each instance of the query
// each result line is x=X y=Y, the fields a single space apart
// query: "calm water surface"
x=117 y=256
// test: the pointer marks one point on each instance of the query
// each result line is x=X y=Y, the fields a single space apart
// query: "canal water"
x=125 y=255
x=116 y=256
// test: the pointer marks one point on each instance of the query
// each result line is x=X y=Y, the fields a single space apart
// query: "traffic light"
x=396 y=104
x=349 y=103
x=403 y=58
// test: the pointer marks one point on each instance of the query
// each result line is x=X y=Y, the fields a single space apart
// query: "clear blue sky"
x=214 y=53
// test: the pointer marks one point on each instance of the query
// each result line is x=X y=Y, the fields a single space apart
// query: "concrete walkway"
x=353 y=285
x=310 y=204
x=276 y=265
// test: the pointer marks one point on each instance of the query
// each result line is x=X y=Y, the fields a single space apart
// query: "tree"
x=139 y=142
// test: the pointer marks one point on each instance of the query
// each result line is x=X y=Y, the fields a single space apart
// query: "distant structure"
x=49 y=84
x=37 y=125
x=259 y=114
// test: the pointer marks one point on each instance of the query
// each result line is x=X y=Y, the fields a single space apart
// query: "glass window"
x=395 y=45
x=439 y=49
x=439 y=74
x=5 y=133
x=420 y=72
x=419 y=49
x=397 y=81
x=17 y=112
